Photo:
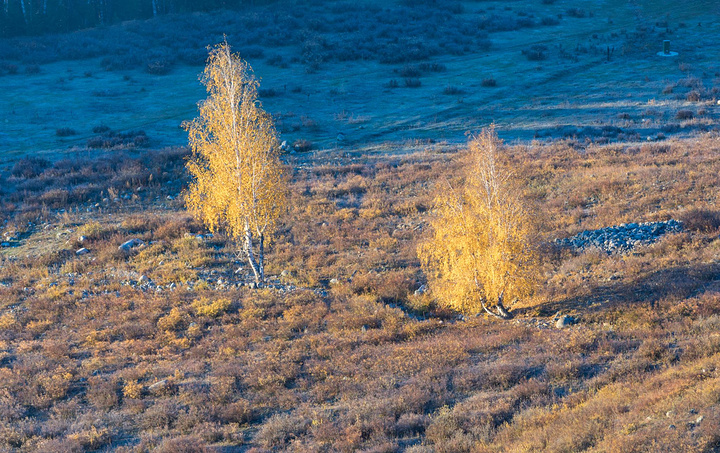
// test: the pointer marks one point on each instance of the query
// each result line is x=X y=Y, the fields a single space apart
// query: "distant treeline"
x=32 y=17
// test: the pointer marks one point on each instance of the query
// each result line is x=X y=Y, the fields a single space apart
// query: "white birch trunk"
x=248 y=246
x=22 y=6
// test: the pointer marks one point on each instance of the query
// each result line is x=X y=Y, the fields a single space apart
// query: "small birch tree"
x=479 y=253
x=237 y=183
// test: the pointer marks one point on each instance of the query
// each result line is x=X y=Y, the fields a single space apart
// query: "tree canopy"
x=237 y=184
x=480 y=250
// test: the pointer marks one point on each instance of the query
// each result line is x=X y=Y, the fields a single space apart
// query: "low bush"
x=413 y=83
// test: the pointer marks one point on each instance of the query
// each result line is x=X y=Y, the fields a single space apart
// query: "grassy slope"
x=531 y=95
x=364 y=363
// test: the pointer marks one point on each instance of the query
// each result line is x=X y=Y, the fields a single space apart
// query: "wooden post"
x=666 y=47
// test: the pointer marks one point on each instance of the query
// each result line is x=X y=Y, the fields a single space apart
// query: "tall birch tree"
x=237 y=182
x=480 y=254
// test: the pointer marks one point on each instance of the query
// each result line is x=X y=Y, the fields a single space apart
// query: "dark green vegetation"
x=22 y=17
x=378 y=72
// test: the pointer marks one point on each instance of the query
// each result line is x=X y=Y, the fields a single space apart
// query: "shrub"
x=103 y=393
x=29 y=167
x=182 y=444
x=205 y=307
x=413 y=83
x=432 y=67
x=302 y=145
x=701 y=220
x=174 y=320
x=452 y=90
x=549 y=20
x=280 y=429
x=65 y=132
x=536 y=52
x=410 y=71
x=158 y=67
x=694 y=96
x=684 y=115
x=488 y=82
x=267 y=93
x=132 y=389
x=392 y=83
x=576 y=12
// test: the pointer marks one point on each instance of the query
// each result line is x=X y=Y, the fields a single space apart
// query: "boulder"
x=82 y=251
x=131 y=244
x=564 y=321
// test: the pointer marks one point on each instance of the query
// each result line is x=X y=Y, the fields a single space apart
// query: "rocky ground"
x=621 y=238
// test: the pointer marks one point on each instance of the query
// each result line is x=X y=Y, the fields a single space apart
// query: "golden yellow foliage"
x=237 y=179
x=132 y=389
x=205 y=307
x=479 y=253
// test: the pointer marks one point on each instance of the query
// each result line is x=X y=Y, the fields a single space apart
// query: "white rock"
x=82 y=251
x=132 y=243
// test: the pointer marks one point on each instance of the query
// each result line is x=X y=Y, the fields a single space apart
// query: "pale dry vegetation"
x=352 y=359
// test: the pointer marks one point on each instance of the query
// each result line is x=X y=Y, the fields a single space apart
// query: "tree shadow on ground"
x=675 y=283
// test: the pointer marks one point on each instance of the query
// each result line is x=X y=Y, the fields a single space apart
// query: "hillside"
x=126 y=326
x=167 y=346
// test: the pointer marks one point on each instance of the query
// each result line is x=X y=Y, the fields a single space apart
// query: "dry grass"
x=356 y=361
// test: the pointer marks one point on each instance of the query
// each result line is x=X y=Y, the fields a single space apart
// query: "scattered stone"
x=82 y=251
x=699 y=419
x=158 y=386
x=143 y=279
x=564 y=321
x=621 y=238
x=285 y=273
x=82 y=239
x=420 y=291
x=170 y=197
x=334 y=281
x=132 y=243
x=669 y=414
